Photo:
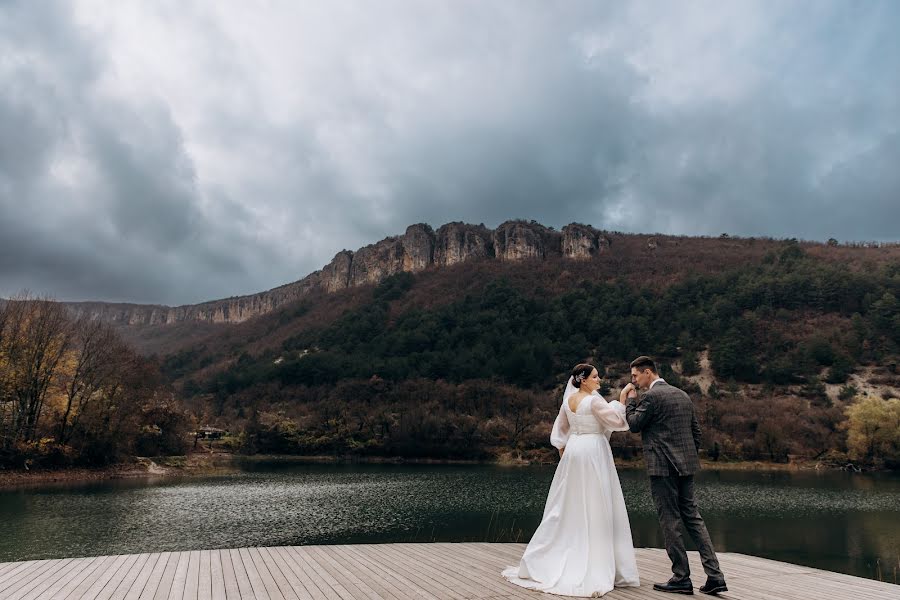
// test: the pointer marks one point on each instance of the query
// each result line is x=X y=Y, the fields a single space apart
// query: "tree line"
x=73 y=393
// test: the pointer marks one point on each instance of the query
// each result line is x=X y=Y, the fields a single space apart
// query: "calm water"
x=837 y=521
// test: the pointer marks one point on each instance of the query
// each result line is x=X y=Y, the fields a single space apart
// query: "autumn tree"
x=873 y=429
x=97 y=354
x=37 y=334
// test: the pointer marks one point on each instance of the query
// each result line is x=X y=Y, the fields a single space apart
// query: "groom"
x=665 y=418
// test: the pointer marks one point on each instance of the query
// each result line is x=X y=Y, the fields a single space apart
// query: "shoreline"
x=203 y=465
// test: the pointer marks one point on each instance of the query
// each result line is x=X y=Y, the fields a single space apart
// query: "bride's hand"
x=629 y=391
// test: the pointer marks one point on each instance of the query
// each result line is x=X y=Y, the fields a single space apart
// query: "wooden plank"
x=273 y=574
x=488 y=577
x=217 y=576
x=4 y=567
x=231 y=587
x=435 y=585
x=18 y=567
x=46 y=585
x=265 y=574
x=192 y=579
x=345 y=577
x=121 y=582
x=204 y=577
x=298 y=589
x=323 y=577
x=366 y=555
x=137 y=586
x=115 y=579
x=92 y=586
x=34 y=586
x=25 y=575
x=422 y=562
x=256 y=582
x=291 y=553
x=385 y=588
x=484 y=569
x=309 y=584
x=240 y=574
x=8 y=568
x=25 y=579
x=71 y=583
x=435 y=557
x=164 y=588
x=179 y=578
x=149 y=590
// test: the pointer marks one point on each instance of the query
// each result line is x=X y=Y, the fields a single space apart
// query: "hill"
x=466 y=360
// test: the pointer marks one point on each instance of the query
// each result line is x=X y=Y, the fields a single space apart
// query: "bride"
x=583 y=545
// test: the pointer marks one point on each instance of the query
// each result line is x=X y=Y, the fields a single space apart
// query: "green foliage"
x=848 y=392
x=840 y=370
x=690 y=364
x=529 y=339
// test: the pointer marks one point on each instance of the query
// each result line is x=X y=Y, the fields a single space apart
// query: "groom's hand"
x=630 y=391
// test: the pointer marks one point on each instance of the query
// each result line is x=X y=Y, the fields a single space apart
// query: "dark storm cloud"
x=175 y=153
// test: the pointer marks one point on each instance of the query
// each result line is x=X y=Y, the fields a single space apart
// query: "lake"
x=837 y=521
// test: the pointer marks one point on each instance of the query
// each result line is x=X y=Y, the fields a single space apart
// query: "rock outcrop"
x=411 y=252
x=416 y=250
x=516 y=240
x=458 y=242
x=336 y=274
x=582 y=242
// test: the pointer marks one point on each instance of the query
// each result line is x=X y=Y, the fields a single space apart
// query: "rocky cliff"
x=419 y=248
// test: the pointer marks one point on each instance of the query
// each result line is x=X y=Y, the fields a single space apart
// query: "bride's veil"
x=570 y=389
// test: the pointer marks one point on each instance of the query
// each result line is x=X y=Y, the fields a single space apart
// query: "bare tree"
x=97 y=353
x=6 y=398
x=40 y=334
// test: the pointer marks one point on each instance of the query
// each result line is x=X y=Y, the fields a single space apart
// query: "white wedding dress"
x=583 y=545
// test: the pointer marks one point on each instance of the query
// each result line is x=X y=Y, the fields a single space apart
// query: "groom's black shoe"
x=675 y=587
x=714 y=586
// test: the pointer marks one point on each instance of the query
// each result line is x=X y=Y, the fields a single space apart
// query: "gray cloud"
x=170 y=153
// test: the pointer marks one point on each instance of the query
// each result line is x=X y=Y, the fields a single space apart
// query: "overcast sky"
x=179 y=151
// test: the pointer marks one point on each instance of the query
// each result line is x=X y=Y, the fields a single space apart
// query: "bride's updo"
x=580 y=373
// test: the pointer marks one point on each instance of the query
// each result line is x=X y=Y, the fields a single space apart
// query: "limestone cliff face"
x=458 y=242
x=229 y=310
x=418 y=249
x=411 y=252
x=336 y=275
x=517 y=240
x=582 y=242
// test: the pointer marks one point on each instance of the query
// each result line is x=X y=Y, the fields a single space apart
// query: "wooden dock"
x=436 y=571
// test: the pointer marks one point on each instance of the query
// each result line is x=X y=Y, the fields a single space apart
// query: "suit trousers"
x=673 y=496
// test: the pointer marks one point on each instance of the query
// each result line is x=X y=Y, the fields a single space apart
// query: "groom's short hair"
x=644 y=362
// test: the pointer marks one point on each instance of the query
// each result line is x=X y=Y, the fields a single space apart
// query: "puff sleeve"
x=559 y=436
x=610 y=415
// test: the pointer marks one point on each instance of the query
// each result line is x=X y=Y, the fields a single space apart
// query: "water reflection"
x=835 y=521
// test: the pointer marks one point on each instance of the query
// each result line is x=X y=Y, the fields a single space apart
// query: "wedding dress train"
x=583 y=545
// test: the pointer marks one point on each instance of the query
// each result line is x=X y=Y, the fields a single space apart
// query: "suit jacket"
x=669 y=430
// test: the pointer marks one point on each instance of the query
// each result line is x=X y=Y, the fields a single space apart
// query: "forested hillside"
x=778 y=350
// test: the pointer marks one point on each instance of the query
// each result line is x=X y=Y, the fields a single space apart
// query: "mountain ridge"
x=419 y=248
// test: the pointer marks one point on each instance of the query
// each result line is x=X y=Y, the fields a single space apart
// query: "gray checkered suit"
x=670 y=434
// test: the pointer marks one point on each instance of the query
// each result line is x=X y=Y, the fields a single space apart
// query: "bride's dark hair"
x=581 y=372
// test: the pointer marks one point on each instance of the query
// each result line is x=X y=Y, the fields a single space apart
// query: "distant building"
x=210 y=433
